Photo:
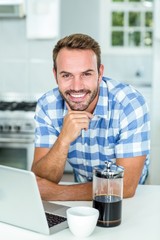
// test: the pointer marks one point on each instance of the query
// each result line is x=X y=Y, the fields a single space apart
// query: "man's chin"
x=78 y=107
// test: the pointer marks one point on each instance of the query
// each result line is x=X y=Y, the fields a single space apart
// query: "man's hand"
x=73 y=123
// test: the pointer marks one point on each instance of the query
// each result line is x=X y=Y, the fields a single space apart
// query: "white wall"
x=26 y=65
x=154 y=177
x=155 y=113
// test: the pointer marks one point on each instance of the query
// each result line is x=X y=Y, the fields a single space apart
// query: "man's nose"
x=77 y=83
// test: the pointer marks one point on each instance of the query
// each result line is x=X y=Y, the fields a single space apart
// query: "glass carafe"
x=108 y=194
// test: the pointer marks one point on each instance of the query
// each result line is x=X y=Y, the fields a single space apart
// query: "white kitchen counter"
x=140 y=221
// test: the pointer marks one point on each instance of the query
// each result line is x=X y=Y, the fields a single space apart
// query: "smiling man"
x=87 y=120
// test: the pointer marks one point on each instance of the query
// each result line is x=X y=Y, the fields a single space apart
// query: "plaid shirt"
x=120 y=128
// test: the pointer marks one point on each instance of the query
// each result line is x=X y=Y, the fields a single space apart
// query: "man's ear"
x=101 y=70
x=55 y=75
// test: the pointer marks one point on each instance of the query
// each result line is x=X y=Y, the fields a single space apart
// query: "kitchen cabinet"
x=42 y=19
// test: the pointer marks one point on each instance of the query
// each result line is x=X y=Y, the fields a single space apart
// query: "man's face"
x=78 y=78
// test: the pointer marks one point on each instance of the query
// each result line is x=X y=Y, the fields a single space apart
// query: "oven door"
x=16 y=153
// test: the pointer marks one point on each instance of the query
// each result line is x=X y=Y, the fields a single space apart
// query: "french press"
x=108 y=193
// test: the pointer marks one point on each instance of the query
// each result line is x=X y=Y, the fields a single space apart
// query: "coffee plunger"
x=108 y=194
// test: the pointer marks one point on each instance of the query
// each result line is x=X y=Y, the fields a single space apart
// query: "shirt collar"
x=101 y=109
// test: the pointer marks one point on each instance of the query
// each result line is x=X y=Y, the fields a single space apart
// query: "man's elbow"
x=33 y=169
x=129 y=192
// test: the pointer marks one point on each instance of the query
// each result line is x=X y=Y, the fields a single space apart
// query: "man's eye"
x=66 y=75
x=86 y=74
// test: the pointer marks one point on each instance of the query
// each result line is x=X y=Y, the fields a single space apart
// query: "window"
x=129 y=24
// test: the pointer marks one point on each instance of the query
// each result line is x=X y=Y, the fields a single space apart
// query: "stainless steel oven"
x=16 y=153
x=17 y=130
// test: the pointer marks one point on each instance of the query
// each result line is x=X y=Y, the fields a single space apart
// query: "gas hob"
x=17 y=114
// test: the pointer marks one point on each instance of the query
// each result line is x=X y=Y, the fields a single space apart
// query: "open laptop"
x=21 y=204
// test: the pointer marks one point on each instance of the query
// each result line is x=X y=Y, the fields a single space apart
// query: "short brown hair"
x=77 y=41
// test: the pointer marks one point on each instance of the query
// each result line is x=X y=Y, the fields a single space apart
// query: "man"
x=87 y=120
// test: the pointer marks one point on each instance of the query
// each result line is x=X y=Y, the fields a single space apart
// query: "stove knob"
x=8 y=128
x=17 y=128
x=1 y=128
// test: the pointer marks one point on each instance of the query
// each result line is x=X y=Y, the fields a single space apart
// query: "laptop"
x=21 y=204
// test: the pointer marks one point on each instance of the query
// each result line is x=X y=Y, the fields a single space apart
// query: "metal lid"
x=109 y=171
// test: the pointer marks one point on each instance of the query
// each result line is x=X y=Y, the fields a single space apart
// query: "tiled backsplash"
x=25 y=66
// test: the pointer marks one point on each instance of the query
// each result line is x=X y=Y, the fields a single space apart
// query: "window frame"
x=106 y=9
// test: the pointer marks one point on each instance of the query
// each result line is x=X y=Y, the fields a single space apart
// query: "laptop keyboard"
x=54 y=219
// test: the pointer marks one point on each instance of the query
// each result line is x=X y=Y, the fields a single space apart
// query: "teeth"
x=77 y=96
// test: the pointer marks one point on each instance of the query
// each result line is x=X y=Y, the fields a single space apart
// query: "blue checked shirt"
x=120 y=128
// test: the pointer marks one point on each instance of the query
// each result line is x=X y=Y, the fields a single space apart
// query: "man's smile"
x=77 y=96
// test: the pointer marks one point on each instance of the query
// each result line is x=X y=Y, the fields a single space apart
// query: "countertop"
x=140 y=220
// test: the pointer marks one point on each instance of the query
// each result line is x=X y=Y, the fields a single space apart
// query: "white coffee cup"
x=82 y=220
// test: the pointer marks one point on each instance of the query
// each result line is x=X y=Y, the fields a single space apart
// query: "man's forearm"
x=56 y=192
x=51 y=165
x=51 y=191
